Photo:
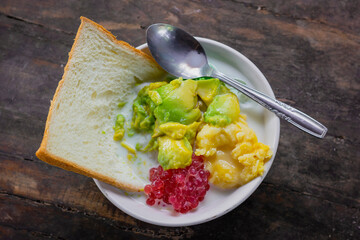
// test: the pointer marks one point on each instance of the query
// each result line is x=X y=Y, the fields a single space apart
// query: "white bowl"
x=216 y=202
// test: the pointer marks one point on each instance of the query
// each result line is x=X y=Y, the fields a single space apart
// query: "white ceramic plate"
x=216 y=202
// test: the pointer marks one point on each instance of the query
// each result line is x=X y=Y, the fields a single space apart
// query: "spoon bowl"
x=181 y=55
x=177 y=52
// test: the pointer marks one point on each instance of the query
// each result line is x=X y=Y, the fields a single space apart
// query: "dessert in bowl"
x=217 y=201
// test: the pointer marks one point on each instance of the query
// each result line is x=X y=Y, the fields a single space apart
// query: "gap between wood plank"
x=36 y=24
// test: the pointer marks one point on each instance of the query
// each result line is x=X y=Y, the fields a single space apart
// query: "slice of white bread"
x=79 y=128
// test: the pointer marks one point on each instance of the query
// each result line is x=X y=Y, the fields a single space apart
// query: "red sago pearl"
x=182 y=188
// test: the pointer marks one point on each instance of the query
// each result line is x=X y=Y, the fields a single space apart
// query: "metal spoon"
x=181 y=55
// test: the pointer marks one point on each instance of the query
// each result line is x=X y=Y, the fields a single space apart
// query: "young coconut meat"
x=232 y=153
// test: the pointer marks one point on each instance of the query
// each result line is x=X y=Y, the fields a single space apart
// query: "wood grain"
x=310 y=53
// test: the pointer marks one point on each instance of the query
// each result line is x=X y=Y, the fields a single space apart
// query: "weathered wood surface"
x=310 y=53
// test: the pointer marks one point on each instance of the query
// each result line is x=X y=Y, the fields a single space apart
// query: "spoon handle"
x=282 y=110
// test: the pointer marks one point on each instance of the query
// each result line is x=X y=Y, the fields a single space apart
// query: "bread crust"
x=46 y=156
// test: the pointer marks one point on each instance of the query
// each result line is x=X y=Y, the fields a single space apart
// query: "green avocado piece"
x=158 y=94
x=173 y=130
x=173 y=153
x=165 y=90
x=179 y=104
x=143 y=111
x=223 y=110
x=119 y=127
x=209 y=88
x=179 y=131
x=191 y=131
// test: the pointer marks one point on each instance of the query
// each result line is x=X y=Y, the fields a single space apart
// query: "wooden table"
x=308 y=50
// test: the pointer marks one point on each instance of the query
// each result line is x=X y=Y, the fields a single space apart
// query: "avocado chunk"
x=165 y=90
x=179 y=131
x=174 y=153
x=173 y=130
x=179 y=104
x=119 y=127
x=191 y=131
x=143 y=111
x=223 y=110
x=158 y=91
x=209 y=88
